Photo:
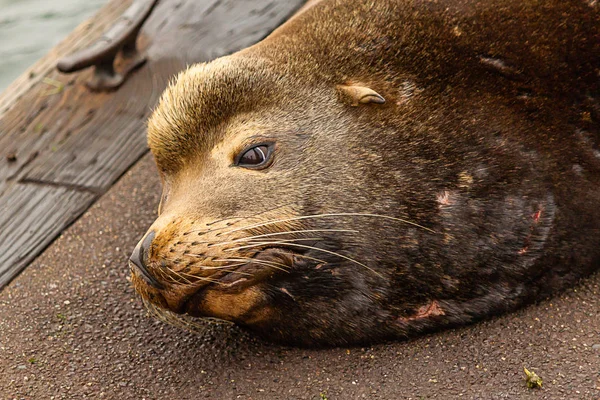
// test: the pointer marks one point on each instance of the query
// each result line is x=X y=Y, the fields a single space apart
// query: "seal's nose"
x=139 y=258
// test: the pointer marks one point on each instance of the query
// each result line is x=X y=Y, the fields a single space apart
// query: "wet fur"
x=488 y=138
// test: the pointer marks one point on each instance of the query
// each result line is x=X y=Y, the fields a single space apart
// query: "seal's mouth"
x=264 y=265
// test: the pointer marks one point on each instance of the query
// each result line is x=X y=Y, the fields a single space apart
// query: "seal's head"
x=263 y=218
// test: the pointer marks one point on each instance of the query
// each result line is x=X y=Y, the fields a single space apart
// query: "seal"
x=377 y=169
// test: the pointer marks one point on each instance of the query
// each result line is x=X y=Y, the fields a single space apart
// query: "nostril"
x=139 y=258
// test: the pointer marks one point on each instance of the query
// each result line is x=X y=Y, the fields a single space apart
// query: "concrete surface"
x=71 y=327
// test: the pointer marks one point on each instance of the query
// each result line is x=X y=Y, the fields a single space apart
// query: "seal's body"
x=377 y=169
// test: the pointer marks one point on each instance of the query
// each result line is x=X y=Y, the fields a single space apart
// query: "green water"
x=30 y=28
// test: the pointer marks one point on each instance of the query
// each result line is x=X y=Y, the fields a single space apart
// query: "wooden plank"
x=30 y=218
x=62 y=146
x=23 y=135
x=100 y=148
x=97 y=136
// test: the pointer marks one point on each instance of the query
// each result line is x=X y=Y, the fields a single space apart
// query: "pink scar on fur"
x=432 y=309
x=443 y=199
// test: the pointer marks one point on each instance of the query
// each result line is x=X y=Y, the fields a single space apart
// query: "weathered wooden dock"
x=63 y=145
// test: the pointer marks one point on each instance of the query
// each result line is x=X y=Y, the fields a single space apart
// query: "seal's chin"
x=236 y=295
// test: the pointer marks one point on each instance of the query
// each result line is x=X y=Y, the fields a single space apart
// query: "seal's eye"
x=256 y=157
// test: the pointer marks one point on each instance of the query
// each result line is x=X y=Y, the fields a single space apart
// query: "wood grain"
x=64 y=146
x=31 y=217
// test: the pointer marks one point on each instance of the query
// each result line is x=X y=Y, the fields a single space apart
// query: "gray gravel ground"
x=71 y=327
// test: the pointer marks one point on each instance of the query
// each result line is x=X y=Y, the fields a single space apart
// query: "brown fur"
x=477 y=179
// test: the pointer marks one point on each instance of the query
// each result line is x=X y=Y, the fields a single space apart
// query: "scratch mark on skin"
x=536 y=219
x=498 y=65
x=443 y=199
x=432 y=309
x=537 y=216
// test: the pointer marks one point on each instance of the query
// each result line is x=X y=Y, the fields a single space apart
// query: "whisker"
x=245 y=259
x=192 y=276
x=295 y=255
x=199 y=279
x=289 y=240
x=233 y=271
x=221 y=260
x=276 y=265
x=249 y=259
x=219 y=267
x=178 y=274
x=283 y=233
x=309 y=247
x=303 y=217
x=310 y=258
x=165 y=276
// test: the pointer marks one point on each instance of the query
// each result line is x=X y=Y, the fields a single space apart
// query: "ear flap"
x=355 y=95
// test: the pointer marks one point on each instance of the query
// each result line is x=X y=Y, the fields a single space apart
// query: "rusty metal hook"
x=122 y=37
